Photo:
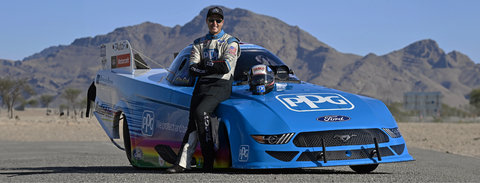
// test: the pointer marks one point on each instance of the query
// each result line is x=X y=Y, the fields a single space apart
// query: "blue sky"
x=349 y=26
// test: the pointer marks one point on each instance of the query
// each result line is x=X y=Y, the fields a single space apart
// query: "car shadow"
x=12 y=172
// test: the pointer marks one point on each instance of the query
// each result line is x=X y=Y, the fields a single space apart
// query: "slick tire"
x=126 y=139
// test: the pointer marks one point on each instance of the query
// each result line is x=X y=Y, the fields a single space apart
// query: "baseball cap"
x=215 y=10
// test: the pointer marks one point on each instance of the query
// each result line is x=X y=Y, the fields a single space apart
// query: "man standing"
x=213 y=59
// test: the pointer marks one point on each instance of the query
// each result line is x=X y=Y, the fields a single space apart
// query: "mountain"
x=421 y=66
x=45 y=52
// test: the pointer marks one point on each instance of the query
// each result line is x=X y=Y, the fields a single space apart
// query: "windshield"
x=252 y=57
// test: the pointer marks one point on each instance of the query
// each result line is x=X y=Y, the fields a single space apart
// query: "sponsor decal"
x=114 y=62
x=171 y=127
x=199 y=162
x=243 y=154
x=259 y=69
x=197 y=70
x=120 y=46
x=104 y=110
x=148 y=123
x=210 y=63
x=210 y=53
x=192 y=52
x=233 y=50
x=333 y=118
x=260 y=89
x=103 y=50
x=161 y=162
x=181 y=80
x=104 y=63
x=103 y=80
x=308 y=102
x=97 y=80
x=344 y=138
x=137 y=153
x=204 y=43
x=208 y=133
x=221 y=41
x=123 y=60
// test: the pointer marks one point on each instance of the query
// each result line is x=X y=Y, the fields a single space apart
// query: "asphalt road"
x=102 y=162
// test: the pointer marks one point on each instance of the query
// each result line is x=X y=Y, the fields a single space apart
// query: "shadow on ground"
x=11 y=172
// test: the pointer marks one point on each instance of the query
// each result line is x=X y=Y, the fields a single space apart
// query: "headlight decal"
x=273 y=139
x=285 y=138
x=393 y=132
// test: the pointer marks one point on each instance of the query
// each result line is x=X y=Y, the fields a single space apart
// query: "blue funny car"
x=295 y=125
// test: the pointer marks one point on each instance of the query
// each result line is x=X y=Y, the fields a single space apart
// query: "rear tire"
x=126 y=139
x=127 y=143
x=364 y=168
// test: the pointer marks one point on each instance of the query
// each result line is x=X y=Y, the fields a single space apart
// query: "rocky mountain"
x=422 y=66
x=45 y=52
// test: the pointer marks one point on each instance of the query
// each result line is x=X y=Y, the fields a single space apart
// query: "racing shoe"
x=175 y=169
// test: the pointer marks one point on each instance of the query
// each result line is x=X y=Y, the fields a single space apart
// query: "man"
x=213 y=59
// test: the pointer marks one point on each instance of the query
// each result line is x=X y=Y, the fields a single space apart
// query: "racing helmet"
x=261 y=80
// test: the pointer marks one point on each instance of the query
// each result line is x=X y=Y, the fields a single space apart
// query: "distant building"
x=424 y=103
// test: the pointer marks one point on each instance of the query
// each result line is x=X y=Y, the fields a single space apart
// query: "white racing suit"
x=213 y=59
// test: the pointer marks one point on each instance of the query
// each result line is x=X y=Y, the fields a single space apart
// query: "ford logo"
x=333 y=118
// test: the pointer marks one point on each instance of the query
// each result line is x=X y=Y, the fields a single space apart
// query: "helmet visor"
x=262 y=79
x=261 y=75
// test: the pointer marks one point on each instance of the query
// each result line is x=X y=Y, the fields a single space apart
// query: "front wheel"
x=364 y=168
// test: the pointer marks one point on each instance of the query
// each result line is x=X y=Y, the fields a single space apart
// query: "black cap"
x=215 y=10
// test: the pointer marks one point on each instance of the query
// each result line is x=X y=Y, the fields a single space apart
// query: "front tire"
x=364 y=168
x=224 y=145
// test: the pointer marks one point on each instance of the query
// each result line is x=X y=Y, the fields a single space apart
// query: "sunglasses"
x=211 y=20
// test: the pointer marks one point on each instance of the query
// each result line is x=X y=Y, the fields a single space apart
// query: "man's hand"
x=206 y=62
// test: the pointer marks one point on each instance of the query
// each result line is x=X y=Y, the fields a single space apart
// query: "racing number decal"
x=243 y=154
x=148 y=123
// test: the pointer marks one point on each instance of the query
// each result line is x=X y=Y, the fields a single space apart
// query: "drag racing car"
x=293 y=124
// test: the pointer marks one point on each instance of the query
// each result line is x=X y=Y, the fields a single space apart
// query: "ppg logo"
x=210 y=53
x=148 y=123
x=260 y=89
x=309 y=102
x=243 y=153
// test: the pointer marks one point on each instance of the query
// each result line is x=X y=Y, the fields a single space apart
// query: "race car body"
x=297 y=125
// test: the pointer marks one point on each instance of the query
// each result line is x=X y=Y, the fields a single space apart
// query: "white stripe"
x=188 y=150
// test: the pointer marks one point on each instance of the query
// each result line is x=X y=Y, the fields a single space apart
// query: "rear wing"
x=120 y=58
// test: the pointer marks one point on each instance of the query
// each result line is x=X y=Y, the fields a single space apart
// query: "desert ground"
x=34 y=125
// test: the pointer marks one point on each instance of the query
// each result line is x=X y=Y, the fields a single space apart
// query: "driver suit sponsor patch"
x=232 y=50
x=308 y=102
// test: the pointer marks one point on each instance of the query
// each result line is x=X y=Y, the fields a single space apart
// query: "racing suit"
x=212 y=59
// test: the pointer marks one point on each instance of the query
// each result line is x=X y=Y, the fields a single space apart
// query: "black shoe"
x=175 y=169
